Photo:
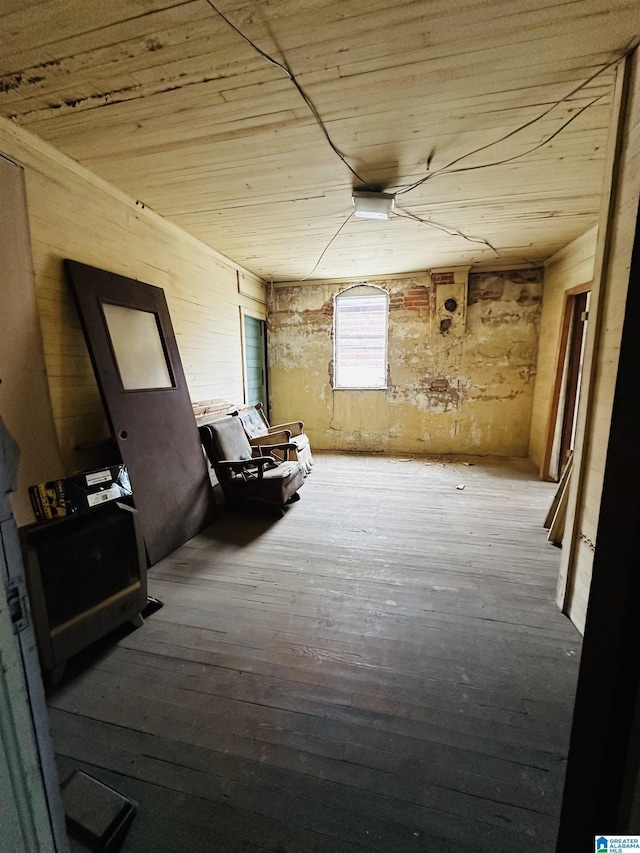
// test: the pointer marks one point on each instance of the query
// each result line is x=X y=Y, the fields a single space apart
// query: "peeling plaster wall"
x=467 y=389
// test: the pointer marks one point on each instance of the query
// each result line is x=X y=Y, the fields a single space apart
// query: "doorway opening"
x=566 y=389
x=254 y=341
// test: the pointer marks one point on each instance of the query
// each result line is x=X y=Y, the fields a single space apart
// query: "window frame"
x=341 y=294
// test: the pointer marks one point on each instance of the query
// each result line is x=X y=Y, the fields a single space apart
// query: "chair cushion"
x=253 y=424
x=282 y=472
x=277 y=485
x=231 y=439
x=301 y=441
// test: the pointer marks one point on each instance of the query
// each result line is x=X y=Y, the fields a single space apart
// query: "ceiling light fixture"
x=373 y=205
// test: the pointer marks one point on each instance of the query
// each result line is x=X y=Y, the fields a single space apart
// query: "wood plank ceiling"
x=166 y=101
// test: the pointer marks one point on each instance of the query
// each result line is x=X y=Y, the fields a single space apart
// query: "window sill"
x=360 y=388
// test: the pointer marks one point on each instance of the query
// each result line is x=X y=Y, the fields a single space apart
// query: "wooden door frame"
x=575 y=349
x=561 y=356
x=601 y=794
x=32 y=807
x=256 y=315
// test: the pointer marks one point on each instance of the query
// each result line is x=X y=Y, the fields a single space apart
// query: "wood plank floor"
x=382 y=669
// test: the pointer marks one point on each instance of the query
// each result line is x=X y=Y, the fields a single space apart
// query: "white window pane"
x=361 y=341
x=137 y=348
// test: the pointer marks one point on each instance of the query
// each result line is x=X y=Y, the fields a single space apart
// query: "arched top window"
x=360 y=315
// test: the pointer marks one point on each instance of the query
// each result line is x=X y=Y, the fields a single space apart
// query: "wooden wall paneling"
x=252 y=288
x=571 y=266
x=600 y=794
x=25 y=400
x=72 y=212
x=615 y=240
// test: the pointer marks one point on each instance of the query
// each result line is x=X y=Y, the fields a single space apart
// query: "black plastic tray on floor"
x=97 y=815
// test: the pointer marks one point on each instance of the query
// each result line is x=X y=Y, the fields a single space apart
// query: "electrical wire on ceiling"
x=452 y=232
x=447 y=170
x=444 y=170
x=403 y=189
x=326 y=248
x=405 y=214
x=515 y=156
x=305 y=97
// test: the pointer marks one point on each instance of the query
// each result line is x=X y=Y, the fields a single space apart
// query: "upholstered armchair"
x=249 y=473
x=260 y=432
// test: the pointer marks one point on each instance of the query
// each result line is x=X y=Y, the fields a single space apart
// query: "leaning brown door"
x=139 y=372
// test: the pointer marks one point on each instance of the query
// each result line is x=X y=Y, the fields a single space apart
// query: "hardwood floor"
x=382 y=669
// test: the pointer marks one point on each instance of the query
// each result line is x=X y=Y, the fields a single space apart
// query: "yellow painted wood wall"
x=613 y=257
x=74 y=214
x=23 y=380
x=568 y=268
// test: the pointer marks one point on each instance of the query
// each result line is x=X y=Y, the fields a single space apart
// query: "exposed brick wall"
x=466 y=389
x=417 y=298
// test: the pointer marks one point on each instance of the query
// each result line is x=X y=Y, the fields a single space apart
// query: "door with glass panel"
x=144 y=391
